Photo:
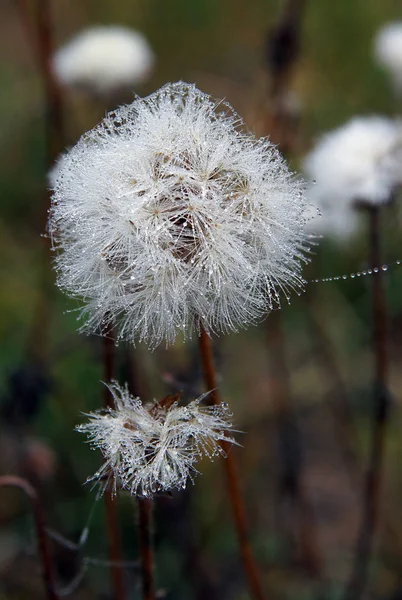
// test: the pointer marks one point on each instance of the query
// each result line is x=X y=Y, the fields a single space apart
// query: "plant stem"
x=282 y=52
x=36 y=20
x=373 y=482
x=236 y=501
x=110 y=507
x=135 y=384
x=145 y=544
x=340 y=402
x=44 y=553
x=290 y=447
x=41 y=41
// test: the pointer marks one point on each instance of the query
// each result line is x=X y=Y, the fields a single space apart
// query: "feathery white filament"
x=151 y=449
x=168 y=214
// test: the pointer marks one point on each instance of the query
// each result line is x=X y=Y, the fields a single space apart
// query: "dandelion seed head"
x=169 y=213
x=360 y=161
x=151 y=449
x=104 y=59
x=388 y=51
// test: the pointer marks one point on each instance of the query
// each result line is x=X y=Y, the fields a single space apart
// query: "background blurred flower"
x=169 y=214
x=388 y=51
x=154 y=448
x=360 y=161
x=104 y=59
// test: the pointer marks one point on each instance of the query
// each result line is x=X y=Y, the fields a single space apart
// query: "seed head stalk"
x=233 y=486
x=116 y=571
x=43 y=546
x=144 y=504
x=283 y=48
x=292 y=475
x=373 y=482
x=37 y=24
x=340 y=402
x=145 y=544
x=282 y=53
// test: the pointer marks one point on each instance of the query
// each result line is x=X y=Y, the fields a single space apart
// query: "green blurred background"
x=50 y=374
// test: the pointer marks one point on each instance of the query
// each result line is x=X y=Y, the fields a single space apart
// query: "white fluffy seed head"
x=168 y=214
x=153 y=449
x=388 y=51
x=360 y=161
x=104 y=59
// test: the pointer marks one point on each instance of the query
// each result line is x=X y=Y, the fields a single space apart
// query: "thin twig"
x=233 y=486
x=340 y=402
x=111 y=517
x=145 y=543
x=289 y=441
x=282 y=52
x=374 y=476
x=38 y=28
x=136 y=384
x=44 y=553
x=36 y=20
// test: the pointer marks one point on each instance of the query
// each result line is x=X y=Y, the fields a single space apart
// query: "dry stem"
x=44 y=553
x=374 y=476
x=116 y=571
x=233 y=486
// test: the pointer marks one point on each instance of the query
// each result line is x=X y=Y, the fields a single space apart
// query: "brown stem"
x=135 y=384
x=110 y=507
x=282 y=49
x=291 y=454
x=340 y=402
x=39 y=34
x=36 y=20
x=44 y=553
x=145 y=543
x=373 y=482
x=236 y=501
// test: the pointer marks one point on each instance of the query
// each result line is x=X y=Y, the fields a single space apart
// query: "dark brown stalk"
x=145 y=543
x=116 y=571
x=38 y=26
x=233 y=486
x=36 y=19
x=136 y=384
x=373 y=482
x=43 y=547
x=291 y=454
x=282 y=52
x=340 y=403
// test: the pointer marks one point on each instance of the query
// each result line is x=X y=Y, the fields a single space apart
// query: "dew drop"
x=353 y=275
x=385 y=267
x=376 y=269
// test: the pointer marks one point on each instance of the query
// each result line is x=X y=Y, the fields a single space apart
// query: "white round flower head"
x=360 y=161
x=153 y=449
x=104 y=59
x=388 y=51
x=168 y=215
